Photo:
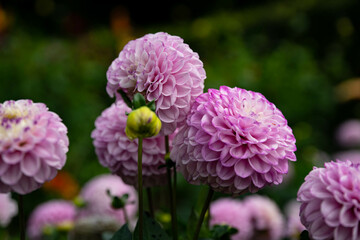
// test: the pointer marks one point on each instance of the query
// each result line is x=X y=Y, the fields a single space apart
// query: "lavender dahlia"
x=33 y=145
x=163 y=68
x=8 y=209
x=330 y=201
x=118 y=153
x=235 y=141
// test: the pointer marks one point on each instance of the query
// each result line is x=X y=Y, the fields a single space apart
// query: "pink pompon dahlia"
x=52 y=214
x=33 y=145
x=8 y=209
x=348 y=133
x=231 y=212
x=294 y=227
x=98 y=202
x=162 y=68
x=265 y=217
x=235 y=141
x=118 y=153
x=330 y=201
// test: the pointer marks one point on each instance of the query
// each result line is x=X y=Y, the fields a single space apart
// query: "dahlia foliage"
x=33 y=145
x=330 y=201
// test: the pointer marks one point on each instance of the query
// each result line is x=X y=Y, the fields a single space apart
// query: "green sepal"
x=118 y=202
x=125 y=98
x=122 y=234
x=151 y=105
x=138 y=101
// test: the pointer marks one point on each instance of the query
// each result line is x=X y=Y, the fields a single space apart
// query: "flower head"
x=142 y=123
x=330 y=201
x=55 y=214
x=164 y=69
x=116 y=152
x=235 y=141
x=348 y=133
x=98 y=202
x=33 y=145
x=8 y=209
x=294 y=226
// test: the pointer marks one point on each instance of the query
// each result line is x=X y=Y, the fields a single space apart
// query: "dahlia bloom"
x=330 y=201
x=234 y=141
x=53 y=214
x=351 y=155
x=348 y=133
x=33 y=145
x=116 y=152
x=265 y=217
x=163 y=68
x=98 y=202
x=8 y=209
x=231 y=212
x=294 y=227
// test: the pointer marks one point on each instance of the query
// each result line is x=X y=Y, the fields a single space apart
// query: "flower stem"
x=203 y=212
x=140 y=189
x=172 y=192
x=150 y=202
x=21 y=217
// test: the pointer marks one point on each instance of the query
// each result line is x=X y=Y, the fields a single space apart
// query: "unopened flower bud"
x=142 y=123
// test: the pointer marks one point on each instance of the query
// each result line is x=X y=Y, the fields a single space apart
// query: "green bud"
x=142 y=123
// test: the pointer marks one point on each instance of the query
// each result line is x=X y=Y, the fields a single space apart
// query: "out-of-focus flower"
x=55 y=214
x=330 y=200
x=348 y=133
x=233 y=213
x=164 y=69
x=64 y=185
x=351 y=155
x=235 y=141
x=116 y=152
x=98 y=202
x=142 y=123
x=294 y=226
x=8 y=209
x=266 y=218
x=33 y=145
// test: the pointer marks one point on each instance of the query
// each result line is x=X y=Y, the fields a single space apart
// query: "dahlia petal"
x=331 y=210
x=258 y=165
x=25 y=185
x=208 y=154
x=319 y=230
x=343 y=233
x=168 y=115
x=12 y=175
x=12 y=157
x=30 y=165
x=347 y=217
x=3 y=167
x=243 y=169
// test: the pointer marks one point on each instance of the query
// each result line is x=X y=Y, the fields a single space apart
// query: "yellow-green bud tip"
x=142 y=123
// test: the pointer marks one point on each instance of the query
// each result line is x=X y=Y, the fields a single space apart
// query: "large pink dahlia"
x=33 y=145
x=8 y=209
x=330 y=201
x=118 y=153
x=235 y=141
x=163 y=68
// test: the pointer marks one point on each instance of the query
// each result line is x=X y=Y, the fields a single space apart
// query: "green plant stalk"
x=150 y=202
x=21 y=217
x=172 y=193
x=203 y=212
x=140 y=190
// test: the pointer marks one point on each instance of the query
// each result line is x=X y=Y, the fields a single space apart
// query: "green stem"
x=150 y=202
x=21 y=217
x=140 y=190
x=203 y=212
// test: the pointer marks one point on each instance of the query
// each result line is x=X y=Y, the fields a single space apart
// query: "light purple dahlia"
x=348 y=133
x=52 y=214
x=8 y=209
x=162 y=68
x=235 y=141
x=118 y=153
x=98 y=202
x=330 y=201
x=294 y=227
x=33 y=145
x=231 y=212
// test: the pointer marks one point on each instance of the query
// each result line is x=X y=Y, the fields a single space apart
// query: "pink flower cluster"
x=8 y=209
x=235 y=141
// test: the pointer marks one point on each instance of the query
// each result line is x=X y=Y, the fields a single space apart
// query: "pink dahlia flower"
x=53 y=214
x=351 y=155
x=235 y=141
x=98 y=202
x=33 y=145
x=294 y=227
x=265 y=217
x=348 y=133
x=8 y=209
x=163 y=68
x=231 y=212
x=330 y=201
x=116 y=152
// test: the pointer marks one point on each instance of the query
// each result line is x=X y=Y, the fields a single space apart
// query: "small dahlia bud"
x=142 y=123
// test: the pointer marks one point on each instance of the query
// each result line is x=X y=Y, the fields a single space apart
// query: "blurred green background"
x=303 y=55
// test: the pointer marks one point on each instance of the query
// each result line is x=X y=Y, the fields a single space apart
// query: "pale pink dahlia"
x=118 y=153
x=52 y=214
x=235 y=141
x=231 y=212
x=98 y=202
x=8 y=209
x=348 y=133
x=163 y=68
x=265 y=217
x=294 y=227
x=330 y=201
x=33 y=145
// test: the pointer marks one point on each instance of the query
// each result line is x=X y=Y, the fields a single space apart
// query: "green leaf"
x=122 y=234
x=139 y=101
x=125 y=98
x=151 y=105
x=151 y=230
x=222 y=232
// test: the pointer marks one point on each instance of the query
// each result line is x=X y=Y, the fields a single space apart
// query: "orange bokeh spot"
x=64 y=185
